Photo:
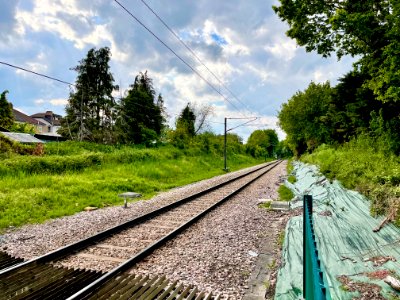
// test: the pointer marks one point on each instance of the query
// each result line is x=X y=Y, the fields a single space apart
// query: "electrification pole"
x=226 y=169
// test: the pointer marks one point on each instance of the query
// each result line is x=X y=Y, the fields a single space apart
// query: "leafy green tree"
x=262 y=143
x=186 y=121
x=23 y=128
x=303 y=118
x=6 y=111
x=350 y=107
x=367 y=29
x=185 y=130
x=142 y=117
x=91 y=108
x=283 y=150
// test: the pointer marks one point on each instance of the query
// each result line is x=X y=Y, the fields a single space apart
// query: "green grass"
x=281 y=238
x=285 y=194
x=292 y=179
x=67 y=179
x=360 y=165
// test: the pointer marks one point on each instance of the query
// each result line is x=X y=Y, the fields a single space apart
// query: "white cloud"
x=54 y=102
x=39 y=101
x=58 y=102
x=282 y=48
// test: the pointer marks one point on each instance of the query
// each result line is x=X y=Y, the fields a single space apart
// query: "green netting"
x=345 y=238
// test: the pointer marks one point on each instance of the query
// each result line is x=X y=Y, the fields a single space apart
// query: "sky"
x=257 y=67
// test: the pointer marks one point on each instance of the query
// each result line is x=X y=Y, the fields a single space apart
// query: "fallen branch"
x=349 y=258
x=390 y=217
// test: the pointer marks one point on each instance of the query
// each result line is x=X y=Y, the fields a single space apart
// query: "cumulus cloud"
x=244 y=45
x=58 y=102
x=282 y=48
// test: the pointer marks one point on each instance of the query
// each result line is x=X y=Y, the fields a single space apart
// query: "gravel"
x=216 y=254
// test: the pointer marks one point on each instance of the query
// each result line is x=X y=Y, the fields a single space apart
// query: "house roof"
x=46 y=137
x=21 y=137
x=21 y=117
x=48 y=116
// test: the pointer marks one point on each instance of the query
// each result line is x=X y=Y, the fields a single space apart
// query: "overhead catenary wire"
x=56 y=79
x=192 y=52
x=177 y=55
x=36 y=73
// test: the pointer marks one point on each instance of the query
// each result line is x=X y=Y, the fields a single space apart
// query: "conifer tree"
x=6 y=111
x=91 y=109
x=142 y=117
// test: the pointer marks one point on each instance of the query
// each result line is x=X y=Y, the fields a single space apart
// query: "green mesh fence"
x=313 y=279
x=351 y=253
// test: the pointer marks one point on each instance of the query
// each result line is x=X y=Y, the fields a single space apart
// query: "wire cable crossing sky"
x=214 y=48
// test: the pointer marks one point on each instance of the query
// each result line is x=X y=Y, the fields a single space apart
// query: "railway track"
x=103 y=258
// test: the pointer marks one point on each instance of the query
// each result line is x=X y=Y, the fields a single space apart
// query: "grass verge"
x=361 y=166
x=35 y=189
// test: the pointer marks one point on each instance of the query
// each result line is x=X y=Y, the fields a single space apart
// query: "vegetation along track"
x=116 y=250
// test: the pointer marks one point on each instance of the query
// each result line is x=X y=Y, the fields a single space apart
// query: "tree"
x=262 y=143
x=6 y=111
x=367 y=29
x=350 y=107
x=142 y=118
x=302 y=118
x=91 y=108
x=185 y=128
x=186 y=121
x=202 y=114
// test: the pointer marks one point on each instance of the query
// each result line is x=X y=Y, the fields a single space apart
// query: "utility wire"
x=36 y=73
x=192 y=52
x=58 y=80
x=179 y=57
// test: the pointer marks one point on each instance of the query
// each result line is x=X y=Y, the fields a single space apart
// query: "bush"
x=363 y=165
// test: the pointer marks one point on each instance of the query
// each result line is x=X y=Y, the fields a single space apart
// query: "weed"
x=272 y=265
x=266 y=205
x=281 y=238
x=285 y=194
x=292 y=179
x=267 y=284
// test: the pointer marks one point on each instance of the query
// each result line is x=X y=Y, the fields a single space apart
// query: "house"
x=52 y=121
x=20 y=117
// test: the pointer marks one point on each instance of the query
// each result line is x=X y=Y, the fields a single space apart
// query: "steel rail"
x=73 y=247
x=86 y=292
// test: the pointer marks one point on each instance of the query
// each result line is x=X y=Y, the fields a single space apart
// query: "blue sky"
x=242 y=42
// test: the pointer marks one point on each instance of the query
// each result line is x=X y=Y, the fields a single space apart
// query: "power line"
x=179 y=57
x=36 y=73
x=58 y=80
x=192 y=52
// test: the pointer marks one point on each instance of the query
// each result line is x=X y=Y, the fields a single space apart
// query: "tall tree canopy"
x=6 y=111
x=91 y=108
x=367 y=29
x=262 y=143
x=302 y=118
x=186 y=121
x=142 y=117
